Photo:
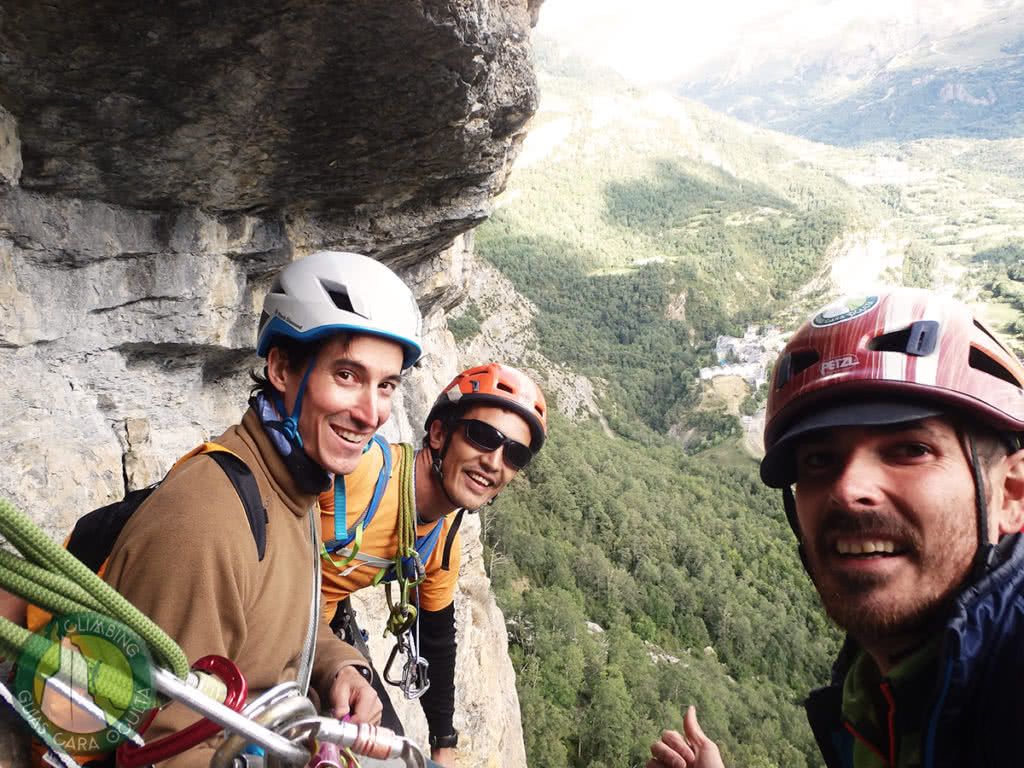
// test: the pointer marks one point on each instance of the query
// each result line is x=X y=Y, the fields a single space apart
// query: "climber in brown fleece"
x=337 y=331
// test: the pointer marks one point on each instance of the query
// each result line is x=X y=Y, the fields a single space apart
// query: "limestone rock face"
x=159 y=162
x=148 y=357
x=395 y=121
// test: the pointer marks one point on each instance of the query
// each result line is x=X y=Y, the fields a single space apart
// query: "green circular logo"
x=86 y=680
x=843 y=310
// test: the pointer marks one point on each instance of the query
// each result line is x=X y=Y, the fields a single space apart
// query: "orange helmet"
x=887 y=359
x=496 y=385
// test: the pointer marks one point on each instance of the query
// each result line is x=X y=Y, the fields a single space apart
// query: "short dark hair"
x=297 y=355
x=447 y=417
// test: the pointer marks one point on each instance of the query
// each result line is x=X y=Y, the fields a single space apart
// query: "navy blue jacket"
x=976 y=716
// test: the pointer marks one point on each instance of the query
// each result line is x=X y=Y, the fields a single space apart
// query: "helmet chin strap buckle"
x=291 y=430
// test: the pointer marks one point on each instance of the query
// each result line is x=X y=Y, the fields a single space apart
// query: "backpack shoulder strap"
x=447 y=555
x=245 y=485
x=248 y=491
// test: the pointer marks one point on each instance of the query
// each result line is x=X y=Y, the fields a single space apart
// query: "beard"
x=871 y=620
x=876 y=606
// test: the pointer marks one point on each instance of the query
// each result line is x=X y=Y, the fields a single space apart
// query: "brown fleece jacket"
x=187 y=560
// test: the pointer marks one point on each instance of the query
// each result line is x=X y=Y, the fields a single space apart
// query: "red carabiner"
x=131 y=756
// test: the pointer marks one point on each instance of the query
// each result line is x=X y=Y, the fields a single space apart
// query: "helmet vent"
x=792 y=365
x=986 y=331
x=978 y=360
x=505 y=387
x=918 y=339
x=341 y=300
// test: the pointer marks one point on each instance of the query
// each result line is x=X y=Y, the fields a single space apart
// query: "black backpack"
x=94 y=534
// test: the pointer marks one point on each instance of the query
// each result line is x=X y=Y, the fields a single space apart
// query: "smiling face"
x=889 y=524
x=348 y=396
x=472 y=477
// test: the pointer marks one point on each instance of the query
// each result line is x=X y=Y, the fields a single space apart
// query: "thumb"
x=692 y=728
x=340 y=698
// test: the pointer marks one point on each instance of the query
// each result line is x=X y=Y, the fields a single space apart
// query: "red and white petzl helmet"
x=887 y=359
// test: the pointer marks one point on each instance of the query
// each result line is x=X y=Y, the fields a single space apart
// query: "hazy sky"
x=641 y=38
x=660 y=39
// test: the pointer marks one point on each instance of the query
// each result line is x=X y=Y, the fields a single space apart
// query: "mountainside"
x=646 y=260
x=664 y=251
x=899 y=73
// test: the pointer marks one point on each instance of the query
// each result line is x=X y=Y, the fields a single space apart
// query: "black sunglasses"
x=487 y=438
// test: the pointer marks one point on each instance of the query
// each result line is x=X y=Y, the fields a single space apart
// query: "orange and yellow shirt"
x=380 y=538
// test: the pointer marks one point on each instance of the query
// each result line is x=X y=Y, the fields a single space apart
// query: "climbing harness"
x=354 y=535
x=406 y=569
x=282 y=722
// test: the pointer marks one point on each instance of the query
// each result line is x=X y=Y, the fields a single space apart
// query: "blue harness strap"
x=343 y=537
x=424 y=547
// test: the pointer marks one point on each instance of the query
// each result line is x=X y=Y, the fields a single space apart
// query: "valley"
x=665 y=252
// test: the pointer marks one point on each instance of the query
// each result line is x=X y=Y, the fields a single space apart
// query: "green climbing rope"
x=403 y=614
x=68 y=586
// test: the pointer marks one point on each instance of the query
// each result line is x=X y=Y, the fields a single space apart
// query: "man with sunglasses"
x=483 y=428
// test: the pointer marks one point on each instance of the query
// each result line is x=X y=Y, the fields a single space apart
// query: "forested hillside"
x=691 y=574
x=648 y=570
x=637 y=579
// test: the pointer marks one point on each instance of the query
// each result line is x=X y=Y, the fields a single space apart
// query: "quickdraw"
x=414 y=680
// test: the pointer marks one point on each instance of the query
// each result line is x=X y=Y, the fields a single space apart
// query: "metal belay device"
x=281 y=722
x=285 y=726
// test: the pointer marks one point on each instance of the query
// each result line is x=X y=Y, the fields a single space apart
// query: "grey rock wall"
x=159 y=162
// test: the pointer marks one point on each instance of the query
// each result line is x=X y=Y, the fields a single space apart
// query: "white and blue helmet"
x=335 y=291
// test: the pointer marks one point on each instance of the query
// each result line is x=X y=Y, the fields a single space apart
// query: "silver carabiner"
x=415 y=680
x=276 y=716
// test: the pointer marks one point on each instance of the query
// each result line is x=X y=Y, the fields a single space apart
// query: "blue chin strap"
x=290 y=423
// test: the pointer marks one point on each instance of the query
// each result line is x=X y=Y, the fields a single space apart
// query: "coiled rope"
x=52 y=578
